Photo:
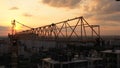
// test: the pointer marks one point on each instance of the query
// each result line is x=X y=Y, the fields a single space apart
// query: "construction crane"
x=14 y=44
x=71 y=31
x=75 y=30
x=13 y=27
x=23 y=25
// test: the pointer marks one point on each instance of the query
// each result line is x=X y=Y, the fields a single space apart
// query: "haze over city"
x=36 y=13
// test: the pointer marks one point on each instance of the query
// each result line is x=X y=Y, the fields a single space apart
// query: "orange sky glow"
x=36 y=13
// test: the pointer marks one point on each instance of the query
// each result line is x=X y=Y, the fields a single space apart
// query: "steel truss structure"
x=71 y=30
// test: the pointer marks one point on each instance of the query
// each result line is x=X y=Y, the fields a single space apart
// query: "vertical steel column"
x=92 y=30
x=81 y=29
x=99 y=30
x=84 y=30
x=13 y=27
x=66 y=30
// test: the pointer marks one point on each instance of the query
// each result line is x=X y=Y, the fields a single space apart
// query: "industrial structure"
x=72 y=43
x=71 y=30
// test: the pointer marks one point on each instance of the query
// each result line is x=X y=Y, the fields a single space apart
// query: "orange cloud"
x=27 y=15
x=104 y=12
x=4 y=30
x=62 y=3
x=14 y=8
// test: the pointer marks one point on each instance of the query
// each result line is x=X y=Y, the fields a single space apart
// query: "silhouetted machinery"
x=14 y=46
x=75 y=30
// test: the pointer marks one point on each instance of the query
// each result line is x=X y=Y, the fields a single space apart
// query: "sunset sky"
x=36 y=13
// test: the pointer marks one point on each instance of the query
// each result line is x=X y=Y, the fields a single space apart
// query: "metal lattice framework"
x=76 y=29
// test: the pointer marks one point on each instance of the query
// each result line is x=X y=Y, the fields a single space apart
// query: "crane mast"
x=14 y=44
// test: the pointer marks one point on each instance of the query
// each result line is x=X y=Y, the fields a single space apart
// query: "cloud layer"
x=103 y=6
x=14 y=8
x=62 y=3
x=103 y=11
x=4 y=30
x=27 y=15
